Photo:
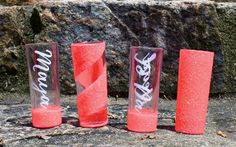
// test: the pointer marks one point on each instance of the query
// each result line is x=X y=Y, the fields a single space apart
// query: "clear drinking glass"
x=91 y=82
x=42 y=61
x=145 y=69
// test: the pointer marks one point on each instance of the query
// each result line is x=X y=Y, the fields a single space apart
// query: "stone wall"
x=227 y=31
x=171 y=25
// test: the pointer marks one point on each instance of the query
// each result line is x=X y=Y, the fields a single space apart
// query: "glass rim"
x=196 y=51
x=87 y=43
x=146 y=47
x=41 y=43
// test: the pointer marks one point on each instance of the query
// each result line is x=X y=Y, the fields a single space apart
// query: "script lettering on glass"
x=143 y=90
x=43 y=65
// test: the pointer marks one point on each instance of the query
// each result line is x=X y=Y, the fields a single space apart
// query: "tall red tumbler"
x=91 y=83
x=195 y=70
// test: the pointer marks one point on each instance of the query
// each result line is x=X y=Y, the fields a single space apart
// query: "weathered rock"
x=174 y=26
x=169 y=24
x=18 y=2
x=12 y=62
x=224 y=0
x=227 y=29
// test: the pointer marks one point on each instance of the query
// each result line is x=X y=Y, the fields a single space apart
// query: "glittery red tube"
x=195 y=70
x=91 y=82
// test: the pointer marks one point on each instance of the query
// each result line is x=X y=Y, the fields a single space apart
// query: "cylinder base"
x=190 y=127
x=93 y=125
x=46 y=117
x=93 y=120
x=142 y=121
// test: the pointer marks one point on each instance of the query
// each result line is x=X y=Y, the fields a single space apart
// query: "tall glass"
x=42 y=61
x=91 y=82
x=145 y=69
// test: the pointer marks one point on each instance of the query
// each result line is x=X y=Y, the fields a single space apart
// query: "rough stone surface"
x=225 y=0
x=16 y=127
x=227 y=29
x=168 y=24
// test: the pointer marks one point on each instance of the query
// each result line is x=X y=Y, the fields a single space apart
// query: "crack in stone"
x=121 y=22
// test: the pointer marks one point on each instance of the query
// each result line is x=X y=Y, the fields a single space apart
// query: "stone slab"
x=16 y=129
x=205 y=25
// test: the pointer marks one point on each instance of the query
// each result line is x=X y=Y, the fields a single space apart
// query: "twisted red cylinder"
x=91 y=81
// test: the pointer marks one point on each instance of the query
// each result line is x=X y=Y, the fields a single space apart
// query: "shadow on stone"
x=118 y=125
x=22 y=121
x=71 y=120
x=166 y=127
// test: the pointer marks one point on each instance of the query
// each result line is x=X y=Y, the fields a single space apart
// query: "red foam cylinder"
x=195 y=70
x=91 y=81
